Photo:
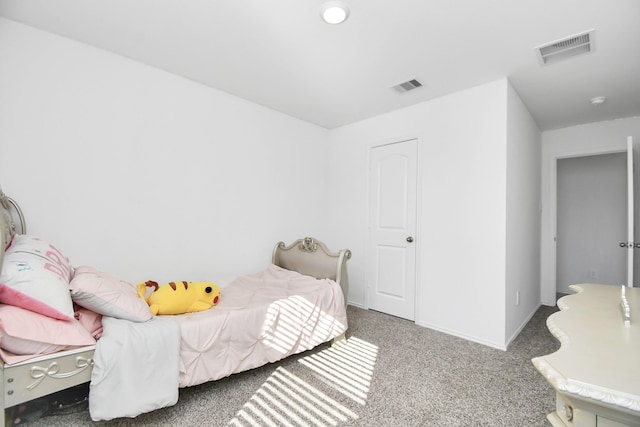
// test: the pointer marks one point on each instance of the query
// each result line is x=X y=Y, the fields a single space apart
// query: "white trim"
x=522 y=326
x=418 y=235
x=499 y=346
x=549 y=230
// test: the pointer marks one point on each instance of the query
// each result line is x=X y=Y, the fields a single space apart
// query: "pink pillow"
x=107 y=295
x=90 y=320
x=35 y=276
x=26 y=332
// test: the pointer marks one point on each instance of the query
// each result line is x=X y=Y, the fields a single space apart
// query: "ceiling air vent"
x=566 y=48
x=407 y=86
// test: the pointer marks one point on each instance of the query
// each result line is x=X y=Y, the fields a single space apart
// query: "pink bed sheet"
x=261 y=318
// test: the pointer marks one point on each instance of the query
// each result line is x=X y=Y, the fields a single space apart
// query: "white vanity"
x=596 y=371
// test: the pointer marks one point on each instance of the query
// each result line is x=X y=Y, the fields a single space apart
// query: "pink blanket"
x=260 y=318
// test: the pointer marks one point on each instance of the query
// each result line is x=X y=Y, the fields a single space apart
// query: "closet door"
x=393 y=200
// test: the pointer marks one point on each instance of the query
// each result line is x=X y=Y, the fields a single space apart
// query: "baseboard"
x=498 y=346
x=517 y=332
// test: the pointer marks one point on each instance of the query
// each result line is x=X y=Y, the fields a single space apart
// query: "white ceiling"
x=281 y=55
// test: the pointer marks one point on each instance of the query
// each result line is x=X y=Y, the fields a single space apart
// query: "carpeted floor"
x=390 y=373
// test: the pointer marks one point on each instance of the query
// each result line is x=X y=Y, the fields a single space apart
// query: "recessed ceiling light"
x=334 y=12
x=598 y=100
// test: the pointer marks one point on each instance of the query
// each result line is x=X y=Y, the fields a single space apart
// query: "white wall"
x=461 y=232
x=145 y=174
x=522 y=289
x=167 y=179
x=593 y=138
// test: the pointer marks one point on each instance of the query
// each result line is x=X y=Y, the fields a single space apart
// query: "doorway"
x=552 y=153
x=391 y=282
x=591 y=220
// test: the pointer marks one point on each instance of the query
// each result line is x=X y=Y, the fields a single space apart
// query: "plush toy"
x=179 y=297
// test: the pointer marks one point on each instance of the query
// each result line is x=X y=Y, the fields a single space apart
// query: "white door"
x=631 y=245
x=392 y=274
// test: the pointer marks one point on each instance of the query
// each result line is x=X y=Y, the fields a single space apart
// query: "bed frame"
x=312 y=257
x=47 y=374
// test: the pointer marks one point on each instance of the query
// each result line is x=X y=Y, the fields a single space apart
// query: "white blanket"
x=136 y=368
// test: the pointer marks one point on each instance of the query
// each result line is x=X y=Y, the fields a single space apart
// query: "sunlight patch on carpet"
x=287 y=400
x=348 y=368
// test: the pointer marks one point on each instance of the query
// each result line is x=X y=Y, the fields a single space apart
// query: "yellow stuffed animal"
x=179 y=297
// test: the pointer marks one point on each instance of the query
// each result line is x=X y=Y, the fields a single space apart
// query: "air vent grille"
x=566 y=48
x=407 y=86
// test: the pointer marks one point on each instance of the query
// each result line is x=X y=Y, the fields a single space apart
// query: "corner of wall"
x=523 y=219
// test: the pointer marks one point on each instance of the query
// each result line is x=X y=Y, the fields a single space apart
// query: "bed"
x=297 y=303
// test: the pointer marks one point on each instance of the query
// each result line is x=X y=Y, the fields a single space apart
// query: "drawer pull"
x=52 y=371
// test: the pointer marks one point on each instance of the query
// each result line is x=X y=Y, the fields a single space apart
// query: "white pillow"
x=35 y=276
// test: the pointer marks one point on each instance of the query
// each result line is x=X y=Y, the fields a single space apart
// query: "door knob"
x=409 y=239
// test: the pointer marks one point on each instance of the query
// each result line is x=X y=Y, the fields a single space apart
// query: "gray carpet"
x=391 y=373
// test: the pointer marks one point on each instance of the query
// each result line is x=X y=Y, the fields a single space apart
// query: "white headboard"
x=9 y=209
x=312 y=257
